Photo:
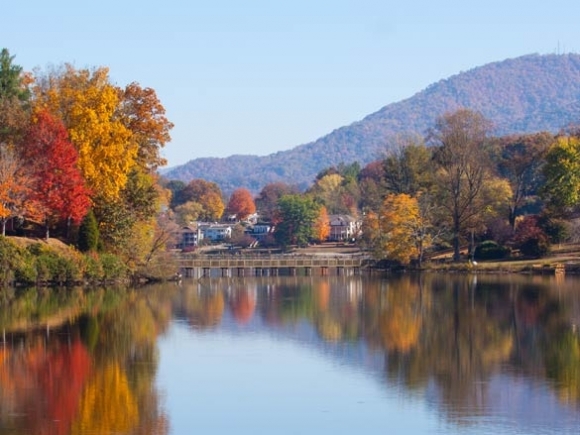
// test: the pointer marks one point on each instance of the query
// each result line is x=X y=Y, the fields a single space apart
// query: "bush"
x=490 y=250
x=92 y=267
x=113 y=267
x=530 y=239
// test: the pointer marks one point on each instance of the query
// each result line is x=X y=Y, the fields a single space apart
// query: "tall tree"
x=14 y=95
x=520 y=160
x=408 y=169
x=463 y=165
x=241 y=204
x=399 y=222
x=60 y=188
x=321 y=229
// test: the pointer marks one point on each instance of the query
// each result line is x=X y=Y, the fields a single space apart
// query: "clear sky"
x=260 y=76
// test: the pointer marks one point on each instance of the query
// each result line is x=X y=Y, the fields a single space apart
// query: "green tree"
x=297 y=214
x=14 y=95
x=88 y=233
x=408 y=169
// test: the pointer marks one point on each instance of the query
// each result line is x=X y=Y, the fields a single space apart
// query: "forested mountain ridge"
x=522 y=95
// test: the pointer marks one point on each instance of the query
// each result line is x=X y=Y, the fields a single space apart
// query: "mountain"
x=523 y=95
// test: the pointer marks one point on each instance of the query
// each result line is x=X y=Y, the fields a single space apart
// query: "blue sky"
x=258 y=76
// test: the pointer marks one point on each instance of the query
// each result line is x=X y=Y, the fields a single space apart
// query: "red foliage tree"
x=60 y=189
x=241 y=204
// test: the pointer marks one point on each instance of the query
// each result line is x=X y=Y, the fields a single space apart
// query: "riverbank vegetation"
x=78 y=163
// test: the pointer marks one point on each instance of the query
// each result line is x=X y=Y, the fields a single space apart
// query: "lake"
x=411 y=354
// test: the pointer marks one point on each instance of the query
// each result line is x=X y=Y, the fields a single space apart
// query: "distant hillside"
x=523 y=95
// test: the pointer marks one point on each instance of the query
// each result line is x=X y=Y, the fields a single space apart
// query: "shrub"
x=530 y=239
x=92 y=267
x=113 y=267
x=490 y=250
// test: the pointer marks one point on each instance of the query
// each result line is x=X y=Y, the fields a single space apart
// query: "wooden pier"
x=198 y=266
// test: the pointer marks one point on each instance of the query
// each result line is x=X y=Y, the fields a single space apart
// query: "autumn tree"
x=241 y=204
x=321 y=226
x=520 y=160
x=188 y=212
x=126 y=224
x=371 y=185
x=60 y=190
x=267 y=199
x=143 y=114
x=562 y=174
x=463 y=165
x=208 y=195
x=399 y=221
x=16 y=183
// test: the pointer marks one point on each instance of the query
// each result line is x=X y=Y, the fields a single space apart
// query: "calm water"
x=295 y=355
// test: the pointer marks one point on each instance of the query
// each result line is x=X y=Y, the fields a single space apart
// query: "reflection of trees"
x=203 y=307
x=400 y=316
x=94 y=374
x=44 y=380
x=108 y=404
x=242 y=301
x=563 y=365
x=461 y=345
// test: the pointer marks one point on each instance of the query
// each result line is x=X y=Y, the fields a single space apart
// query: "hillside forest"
x=79 y=161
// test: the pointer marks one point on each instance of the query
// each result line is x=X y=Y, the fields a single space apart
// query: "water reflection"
x=484 y=353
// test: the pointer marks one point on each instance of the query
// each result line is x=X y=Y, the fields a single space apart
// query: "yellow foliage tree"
x=89 y=106
x=399 y=220
x=213 y=206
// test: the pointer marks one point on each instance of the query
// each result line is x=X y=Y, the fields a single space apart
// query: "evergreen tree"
x=88 y=233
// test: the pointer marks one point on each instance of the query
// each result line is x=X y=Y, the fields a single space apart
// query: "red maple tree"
x=60 y=191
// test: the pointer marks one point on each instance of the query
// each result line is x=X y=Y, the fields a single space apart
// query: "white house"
x=216 y=232
x=343 y=227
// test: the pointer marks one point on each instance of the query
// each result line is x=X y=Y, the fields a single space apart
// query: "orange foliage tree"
x=144 y=115
x=321 y=226
x=241 y=204
x=15 y=187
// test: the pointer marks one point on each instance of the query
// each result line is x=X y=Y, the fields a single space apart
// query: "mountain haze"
x=522 y=95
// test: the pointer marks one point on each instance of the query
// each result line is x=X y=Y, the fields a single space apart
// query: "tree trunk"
x=456 y=246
